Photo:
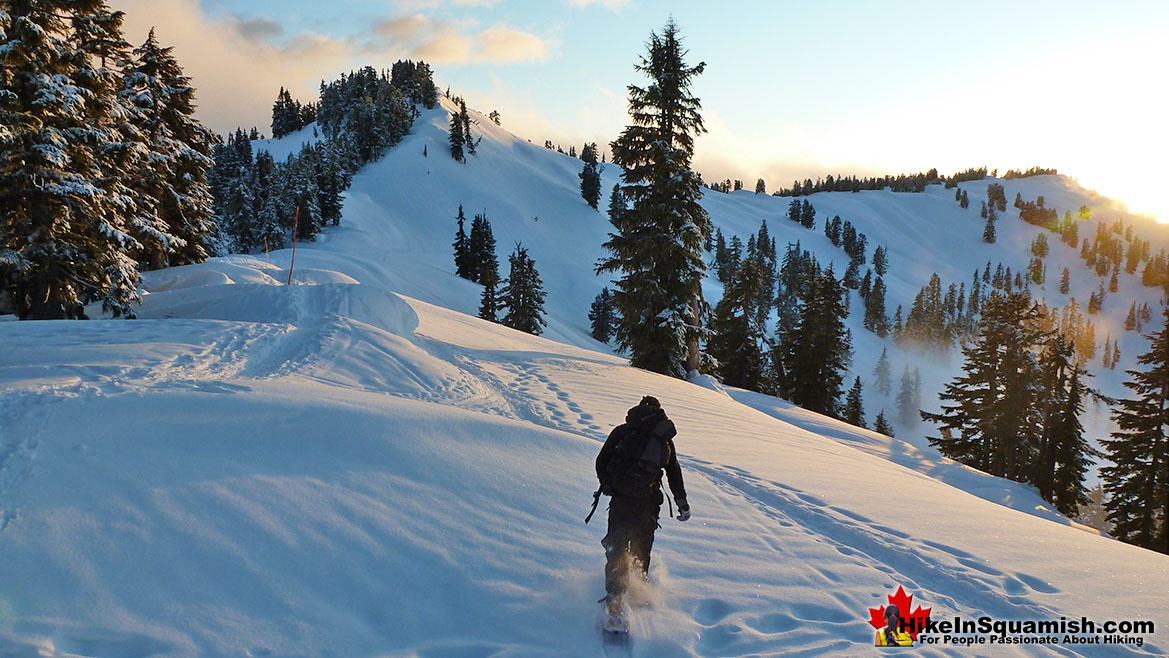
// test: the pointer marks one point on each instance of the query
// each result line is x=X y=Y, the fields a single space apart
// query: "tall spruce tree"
x=1138 y=479
x=462 y=246
x=1064 y=455
x=657 y=246
x=990 y=418
x=590 y=176
x=457 y=139
x=737 y=335
x=601 y=316
x=616 y=206
x=523 y=294
x=817 y=350
x=465 y=122
x=174 y=177
x=854 y=406
x=68 y=216
x=481 y=245
x=907 y=394
x=883 y=373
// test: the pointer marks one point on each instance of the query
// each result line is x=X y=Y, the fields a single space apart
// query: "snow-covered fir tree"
x=737 y=335
x=657 y=246
x=523 y=294
x=172 y=181
x=817 y=350
x=68 y=215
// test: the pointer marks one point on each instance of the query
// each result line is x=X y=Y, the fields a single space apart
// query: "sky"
x=790 y=91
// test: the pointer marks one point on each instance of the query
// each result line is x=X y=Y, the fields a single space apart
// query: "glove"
x=683 y=511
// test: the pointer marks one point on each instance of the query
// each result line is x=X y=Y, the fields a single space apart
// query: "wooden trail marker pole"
x=295 y=227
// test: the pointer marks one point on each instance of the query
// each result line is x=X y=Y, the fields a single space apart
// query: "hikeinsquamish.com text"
x=987 y=630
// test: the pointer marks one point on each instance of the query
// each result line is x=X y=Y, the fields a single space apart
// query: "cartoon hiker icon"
x=892 y=635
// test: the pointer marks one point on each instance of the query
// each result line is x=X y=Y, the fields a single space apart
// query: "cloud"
x=504 y=44
x=440 y=41
x=263 y=29
x=611 y=5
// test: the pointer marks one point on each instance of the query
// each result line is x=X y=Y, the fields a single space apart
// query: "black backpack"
x=635 y=467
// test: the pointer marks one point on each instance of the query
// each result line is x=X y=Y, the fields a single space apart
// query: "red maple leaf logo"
x=913 y=622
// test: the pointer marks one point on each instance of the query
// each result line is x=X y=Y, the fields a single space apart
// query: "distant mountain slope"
x=403 y=209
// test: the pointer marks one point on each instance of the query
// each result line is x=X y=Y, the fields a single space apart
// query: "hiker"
x=630 y=470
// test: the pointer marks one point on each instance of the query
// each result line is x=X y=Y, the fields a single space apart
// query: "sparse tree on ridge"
x=456 y=138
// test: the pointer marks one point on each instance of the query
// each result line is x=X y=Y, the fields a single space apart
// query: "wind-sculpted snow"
x=352 y=465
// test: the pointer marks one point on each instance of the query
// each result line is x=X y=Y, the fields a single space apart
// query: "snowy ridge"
x=354 y=466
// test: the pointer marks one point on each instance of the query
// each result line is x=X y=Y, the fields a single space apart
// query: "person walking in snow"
x=629 y=468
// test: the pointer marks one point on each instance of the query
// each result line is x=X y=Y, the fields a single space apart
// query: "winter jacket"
x=647 y=418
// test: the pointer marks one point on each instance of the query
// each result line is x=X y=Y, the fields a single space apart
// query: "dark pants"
x=632 y=522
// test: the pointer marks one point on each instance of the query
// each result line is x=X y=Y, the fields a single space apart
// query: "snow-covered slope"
x=354 y=466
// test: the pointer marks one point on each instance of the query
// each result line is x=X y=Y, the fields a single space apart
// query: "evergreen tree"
x=881 y=425
x=736 y=334
x=988 y=235
x=1064 y=281
x=881 y=260
x=489 y=303
x=457 y=140
x=172 y=181
x=1138 y=479
x=462 y=247
x=616 y=206
x=817 y=351
x=989 y=417
x=883 y=373
x=1063 y=455
x=482 y=250
x=807 y=215
x=68 y=216
x=760 y=187
x=657 y=246
x=854 y=409
x=590 y=176
x=601 y=316
x=465 y=121
x=523 y=294
x=907 y=394
x=875 y=319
